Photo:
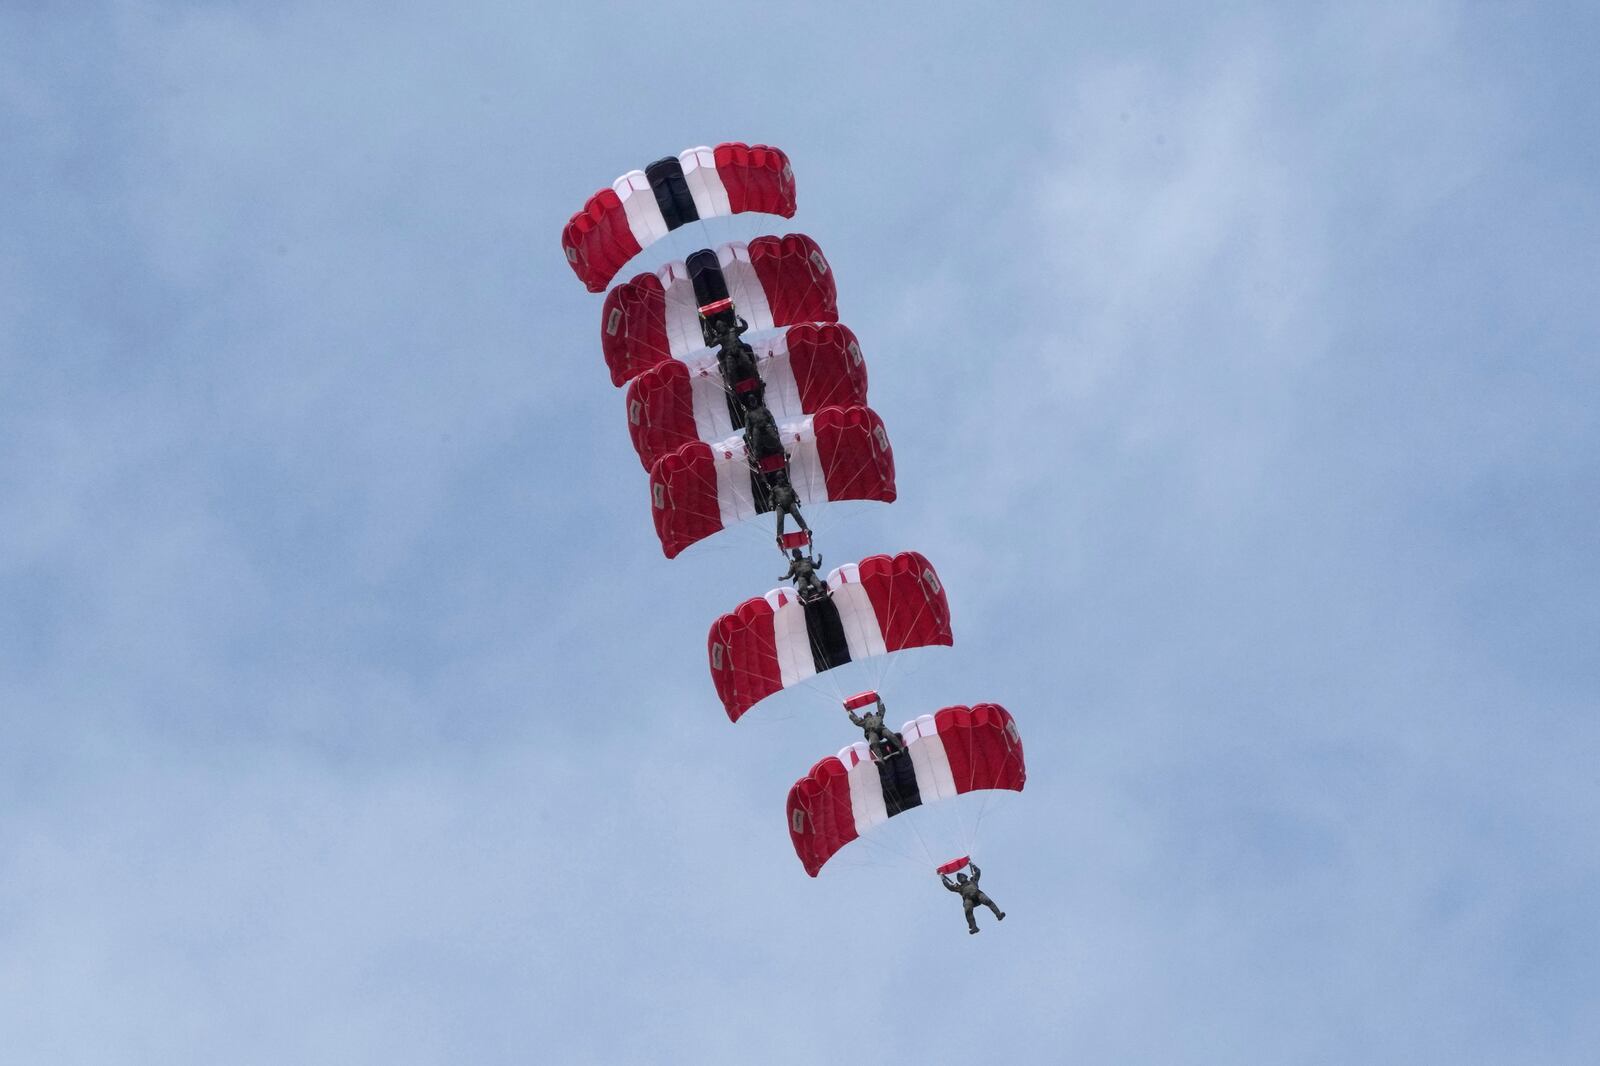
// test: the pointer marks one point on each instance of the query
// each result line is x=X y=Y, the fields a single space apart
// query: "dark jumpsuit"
x=785 y=501
x=972 y=897
x=803 y=572
x=737 y=362
x=882 y=740
x=761 y=434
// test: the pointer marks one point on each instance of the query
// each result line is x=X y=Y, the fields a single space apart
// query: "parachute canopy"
x=879 y=605
x=948 y=753
x=643 y=206
x=803 y=369
x=772 y=281
x=839 y=453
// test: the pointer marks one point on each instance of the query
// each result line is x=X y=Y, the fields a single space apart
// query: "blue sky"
x=1241 y=373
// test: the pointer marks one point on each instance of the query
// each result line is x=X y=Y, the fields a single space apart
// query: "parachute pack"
x=747 y=397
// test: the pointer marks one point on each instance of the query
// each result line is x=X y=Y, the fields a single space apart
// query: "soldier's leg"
x=972 y=923
x=983 y=898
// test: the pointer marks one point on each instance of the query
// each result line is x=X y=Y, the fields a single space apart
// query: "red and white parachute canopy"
x=839 y=453
x=772 y=281
x=880 y=605
x=948 y=753
x=804 y=368
x=643 y=206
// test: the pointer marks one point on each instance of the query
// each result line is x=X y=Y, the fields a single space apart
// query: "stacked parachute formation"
x=746 y=396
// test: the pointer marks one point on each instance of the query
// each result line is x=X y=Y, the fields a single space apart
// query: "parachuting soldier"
x=719 y=325
x=761 y=440
x=803 y=572
x=737 y=361
x=880 y=737
x=785 y=501
x=972 y=896
x=739 y=374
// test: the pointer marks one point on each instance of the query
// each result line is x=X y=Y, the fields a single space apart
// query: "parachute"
x=839 y=453
x=772 y=281
x=948 y=753
x=877 y=606
x=643 y=206
x=805 y=368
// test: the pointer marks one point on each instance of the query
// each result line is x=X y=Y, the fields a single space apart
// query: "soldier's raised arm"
x=976 y=873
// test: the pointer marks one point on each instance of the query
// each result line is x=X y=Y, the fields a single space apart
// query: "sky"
x=1240 y=364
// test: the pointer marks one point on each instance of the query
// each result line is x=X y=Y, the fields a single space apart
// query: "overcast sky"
x=1241 y=371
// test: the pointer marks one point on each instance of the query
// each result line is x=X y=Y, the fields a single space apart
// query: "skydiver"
x=803 y=572
x=761 y=434
x=880 y=738
x=737 y=361
x=728 y=332
x=740 y=376
x=729 y=329
x=972 y=896
x=716 y=328
x=785 y=501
